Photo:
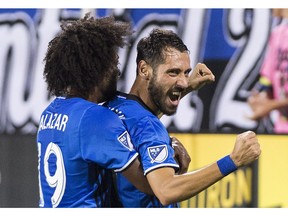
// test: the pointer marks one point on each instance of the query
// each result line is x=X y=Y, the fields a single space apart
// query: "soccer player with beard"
x=163 y=68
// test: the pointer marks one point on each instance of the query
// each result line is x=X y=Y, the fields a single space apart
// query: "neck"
x=96 y=96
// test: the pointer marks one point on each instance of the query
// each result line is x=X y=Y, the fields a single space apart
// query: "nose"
x=182 y=81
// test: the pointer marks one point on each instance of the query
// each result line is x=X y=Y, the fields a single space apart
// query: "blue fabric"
x=150 y=139
x=226 y=165
x=77 y=139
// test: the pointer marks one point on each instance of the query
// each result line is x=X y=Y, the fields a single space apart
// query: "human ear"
x=144 y=70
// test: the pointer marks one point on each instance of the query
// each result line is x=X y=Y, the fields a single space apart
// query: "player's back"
x=72 y=138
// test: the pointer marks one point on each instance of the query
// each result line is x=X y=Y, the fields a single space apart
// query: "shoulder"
x=93 y=114
x=121 y=104
x=100 y=111
x=132 y=103
x=118 y=100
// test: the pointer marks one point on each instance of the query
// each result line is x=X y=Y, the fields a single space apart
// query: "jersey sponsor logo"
x=158 y=153
x=125 y=140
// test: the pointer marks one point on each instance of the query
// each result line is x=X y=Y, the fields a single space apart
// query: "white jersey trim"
x=161 y=165
x=128 y=163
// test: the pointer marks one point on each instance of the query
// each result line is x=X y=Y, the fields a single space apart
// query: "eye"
x=173 y=73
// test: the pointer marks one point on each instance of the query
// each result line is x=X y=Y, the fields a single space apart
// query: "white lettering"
x=56 y=121
x=24 y=41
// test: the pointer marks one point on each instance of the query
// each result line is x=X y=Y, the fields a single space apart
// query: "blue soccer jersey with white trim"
x=77 y=142
x=150 y=139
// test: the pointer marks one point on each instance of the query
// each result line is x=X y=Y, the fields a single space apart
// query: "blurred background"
x=231 y=42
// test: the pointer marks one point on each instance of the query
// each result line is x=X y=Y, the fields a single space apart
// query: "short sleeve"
x=104 y=140
x=153 y=144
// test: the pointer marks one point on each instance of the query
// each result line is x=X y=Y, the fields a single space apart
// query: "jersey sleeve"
x=105 y=141
x=153 y=144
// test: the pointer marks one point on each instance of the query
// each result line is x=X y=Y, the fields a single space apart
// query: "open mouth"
x=175 y=97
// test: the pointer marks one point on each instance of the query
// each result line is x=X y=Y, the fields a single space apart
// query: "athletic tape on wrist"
x=226 y=165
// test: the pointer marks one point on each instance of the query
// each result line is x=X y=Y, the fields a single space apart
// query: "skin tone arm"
x=170 y=188
x=200 y=76
x=134 y=173
x=261 y=105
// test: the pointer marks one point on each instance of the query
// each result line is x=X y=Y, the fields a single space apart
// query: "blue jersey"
x=150 y=139
x=77 y=142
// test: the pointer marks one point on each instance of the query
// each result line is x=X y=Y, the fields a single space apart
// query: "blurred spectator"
x=271 y=91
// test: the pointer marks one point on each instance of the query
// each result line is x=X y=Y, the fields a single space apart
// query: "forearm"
x=175 y=188
x=170 y=188
x=134 y=173
x=187 y=91
x=261 y=105
x=200 y=76
x=278 y=104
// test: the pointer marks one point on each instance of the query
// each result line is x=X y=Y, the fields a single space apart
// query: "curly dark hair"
x=152 y=48
x=82 y=54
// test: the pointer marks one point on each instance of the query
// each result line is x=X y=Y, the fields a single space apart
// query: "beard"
x=158 y=96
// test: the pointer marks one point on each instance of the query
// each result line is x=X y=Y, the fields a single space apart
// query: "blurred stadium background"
x=231 y=42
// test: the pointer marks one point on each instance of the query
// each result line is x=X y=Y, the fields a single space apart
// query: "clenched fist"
x=246 y=149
